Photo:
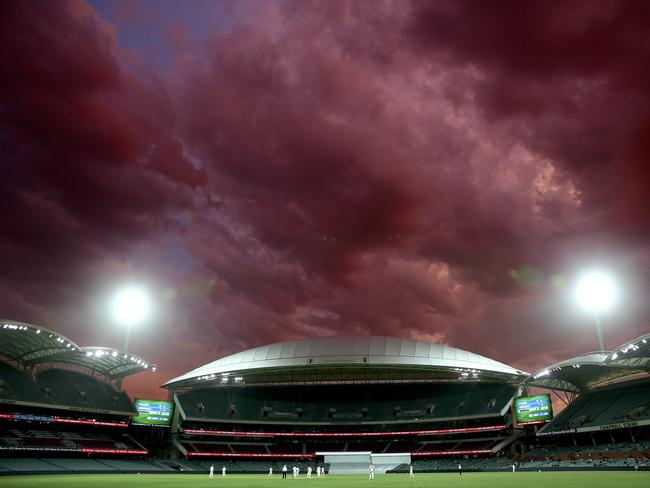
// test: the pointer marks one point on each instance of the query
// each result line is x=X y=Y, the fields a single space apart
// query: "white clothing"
x=270 y=471
x=223 y=471
x=371 y=472
x=309 y=472
x=211 y=472
x=411 y=475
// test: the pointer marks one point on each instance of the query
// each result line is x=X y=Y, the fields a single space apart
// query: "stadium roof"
x=31 y=345
x=635 y=353
x=106 y=361
x=596 y=368
x=28 y=344
x=348 y=358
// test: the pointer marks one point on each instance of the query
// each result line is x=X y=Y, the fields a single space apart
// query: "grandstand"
x=57 y=398
x=618 y=403
x=41 y=368
x=610 y=389
x=374 y=395
x=335 y=402
x=371 y=404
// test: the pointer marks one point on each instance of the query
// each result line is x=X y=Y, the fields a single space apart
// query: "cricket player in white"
x=308 y=471
x=211 y=471
x=223 y=471
x=371 y=472
x=317 y=471
x=411 y=475
x=513 y=468
x=271 y=471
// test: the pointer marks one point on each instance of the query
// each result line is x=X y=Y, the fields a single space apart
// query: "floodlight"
x=130 y=305
x=596 y=291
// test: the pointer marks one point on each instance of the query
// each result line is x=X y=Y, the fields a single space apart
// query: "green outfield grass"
x=470 y=480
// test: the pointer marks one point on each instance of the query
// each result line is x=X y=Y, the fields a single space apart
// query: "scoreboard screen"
x=153 y=412
x=533 y=409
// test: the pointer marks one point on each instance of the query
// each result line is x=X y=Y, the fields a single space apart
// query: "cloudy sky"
x=439 y=170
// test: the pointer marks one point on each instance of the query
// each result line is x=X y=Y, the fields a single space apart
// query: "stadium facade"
x=337 y=402
x=379 y=395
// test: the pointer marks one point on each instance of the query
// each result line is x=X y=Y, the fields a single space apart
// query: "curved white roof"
x=633 y=353
x=342 y=350
x=33 y=345
x=595 y=368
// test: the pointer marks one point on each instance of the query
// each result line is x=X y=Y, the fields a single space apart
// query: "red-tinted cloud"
x=436 y=170
x=91 y=166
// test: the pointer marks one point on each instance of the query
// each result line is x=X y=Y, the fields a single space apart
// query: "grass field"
x=469 y=480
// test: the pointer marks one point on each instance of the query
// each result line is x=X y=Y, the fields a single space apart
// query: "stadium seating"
x=381 y=446
x=621 y=402
x=80 y=390
x=244 y=448
x=491 y=463
x=69 y=465
x=323 y=446
x=131 y=465
x=28 y=465
x=240 y=466
x=402 y=446
x=20 y=439
x=581 y=464
x=61 y=387
x=377 y=446
x=204 y=447
x=76 y=464
x=289 y=448
x=399 y=402
x=613 y=455
x=439 y=446
x=250 y=448
x=176 y=464
x=18 y=386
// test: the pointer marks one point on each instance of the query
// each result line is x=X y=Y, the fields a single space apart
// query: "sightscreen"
x=533 y=409
x=153 y=412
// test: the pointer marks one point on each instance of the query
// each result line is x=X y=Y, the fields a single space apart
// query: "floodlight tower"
x=596 y=291
x=130 y=307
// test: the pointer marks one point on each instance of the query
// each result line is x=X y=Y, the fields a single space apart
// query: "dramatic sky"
x=439 y=170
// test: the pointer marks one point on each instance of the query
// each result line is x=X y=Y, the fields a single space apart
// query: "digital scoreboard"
x=533 y=409
x=153 y=412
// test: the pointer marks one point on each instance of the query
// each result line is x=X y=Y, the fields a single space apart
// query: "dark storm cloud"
x=296 y=139
x=435 y=170
x=568 y=78
x=90 y=164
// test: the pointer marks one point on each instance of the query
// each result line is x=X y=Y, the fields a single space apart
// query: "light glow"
x=131 y=305
x=596 y=291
